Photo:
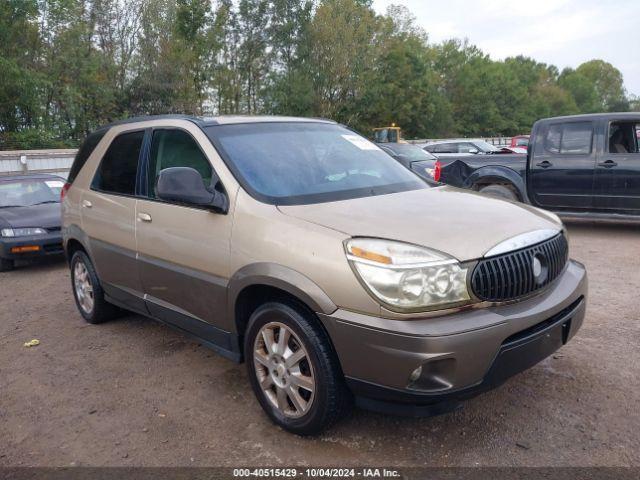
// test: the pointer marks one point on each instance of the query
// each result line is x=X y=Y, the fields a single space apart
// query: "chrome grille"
x=521 y=272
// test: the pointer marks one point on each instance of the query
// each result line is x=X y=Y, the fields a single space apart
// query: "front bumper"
x=48 y=244
x=461 y=354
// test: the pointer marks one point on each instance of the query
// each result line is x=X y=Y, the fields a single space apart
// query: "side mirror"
x=185 y=185
x=474 y=151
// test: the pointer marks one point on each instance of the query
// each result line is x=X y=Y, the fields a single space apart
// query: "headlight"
x=21 y=232
x=408 y=277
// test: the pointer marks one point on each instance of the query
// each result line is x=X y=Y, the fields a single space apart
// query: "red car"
x=520 y=141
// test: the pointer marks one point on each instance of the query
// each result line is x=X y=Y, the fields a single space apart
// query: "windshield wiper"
x=47 y=201
x=11 y=206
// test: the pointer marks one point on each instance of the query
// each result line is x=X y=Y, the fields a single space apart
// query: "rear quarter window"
x=84 y=152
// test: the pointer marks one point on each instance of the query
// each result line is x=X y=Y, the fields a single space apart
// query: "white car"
x=466 y=146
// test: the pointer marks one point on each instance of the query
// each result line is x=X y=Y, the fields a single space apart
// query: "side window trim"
x=145 y=174
x=93 y=187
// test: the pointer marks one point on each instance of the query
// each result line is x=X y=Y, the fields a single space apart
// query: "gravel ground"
x=134 y=392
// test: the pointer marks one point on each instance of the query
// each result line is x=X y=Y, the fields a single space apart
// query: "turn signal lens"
x=367 y=255
x=25 y=249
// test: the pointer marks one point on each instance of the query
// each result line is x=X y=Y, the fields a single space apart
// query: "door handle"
x=544 y=164
x=87 y=204
x=608 y=164
x=145 y=217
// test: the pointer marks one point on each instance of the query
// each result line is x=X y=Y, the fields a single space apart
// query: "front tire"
x=500 y=191
x=88 y=292
x=293 y=370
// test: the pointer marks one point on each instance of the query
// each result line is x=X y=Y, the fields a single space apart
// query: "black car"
x=419 y=161
x=29 y=217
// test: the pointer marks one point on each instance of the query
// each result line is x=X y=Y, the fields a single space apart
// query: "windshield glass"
x=27 y=192
x=485 y=147
x=290 y=163
x=411 y=152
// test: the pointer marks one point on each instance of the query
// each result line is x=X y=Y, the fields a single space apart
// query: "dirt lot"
x=134 y=392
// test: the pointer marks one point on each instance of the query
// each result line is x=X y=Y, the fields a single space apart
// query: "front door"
x=183 y=251
x=617 y=181
x=562 y=167
x=108 y=214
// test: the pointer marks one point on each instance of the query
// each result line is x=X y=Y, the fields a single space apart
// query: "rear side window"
x=88 y=146
x=117 y=171
x=446 y=148
x=569 y=138
x=175 y=148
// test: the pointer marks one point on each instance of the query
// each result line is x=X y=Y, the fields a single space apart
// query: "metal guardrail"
x=54 y=161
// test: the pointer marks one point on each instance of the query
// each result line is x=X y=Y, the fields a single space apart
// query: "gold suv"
x=305 y=250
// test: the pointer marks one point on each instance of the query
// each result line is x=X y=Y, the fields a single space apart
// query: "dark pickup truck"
x=582 y=166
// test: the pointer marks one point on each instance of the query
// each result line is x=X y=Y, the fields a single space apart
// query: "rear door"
x=183 y=250
x=617 y=180
x=562 y=166
x=108 y=218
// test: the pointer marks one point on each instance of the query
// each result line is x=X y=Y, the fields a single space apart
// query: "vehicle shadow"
x=39 y=265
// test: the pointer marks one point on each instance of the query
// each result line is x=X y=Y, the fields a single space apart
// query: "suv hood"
x=461 y=223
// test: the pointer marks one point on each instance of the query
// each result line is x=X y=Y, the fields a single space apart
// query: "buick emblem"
x=539 y=268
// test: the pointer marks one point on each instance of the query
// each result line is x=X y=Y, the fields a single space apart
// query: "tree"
x=607 y=82
x=20 y=81
x=68 y=66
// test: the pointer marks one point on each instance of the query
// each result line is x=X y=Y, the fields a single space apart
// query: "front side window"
x=467 y=148
x=485 y=147
x=175 y=148
x=117 y=171
x=289 y=163
x=569 y=138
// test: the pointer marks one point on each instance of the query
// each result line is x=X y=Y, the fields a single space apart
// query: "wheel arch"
x=75 y=239
x=259 y=283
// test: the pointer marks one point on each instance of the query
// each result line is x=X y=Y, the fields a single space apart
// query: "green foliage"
x=68 y=66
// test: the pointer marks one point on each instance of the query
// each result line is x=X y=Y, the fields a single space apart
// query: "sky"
x=564 y=33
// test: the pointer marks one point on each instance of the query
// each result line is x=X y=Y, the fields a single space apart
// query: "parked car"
x=520 y=141
x=414 y=158
x=464 y=147
x=306 y=251
x=29 y=217
x=583 y=166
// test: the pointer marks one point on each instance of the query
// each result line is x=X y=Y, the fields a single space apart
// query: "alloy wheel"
x=284 y=369
x=83 y=287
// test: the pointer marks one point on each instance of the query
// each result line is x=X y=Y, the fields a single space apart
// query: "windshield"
x=290 y=163
x=27 y=192
x=415 y=154
x=485 y=146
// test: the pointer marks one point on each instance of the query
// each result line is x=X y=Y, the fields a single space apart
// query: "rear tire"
x=88 y=292
x=298 y=381
x=6 y=264
x=500 y=191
